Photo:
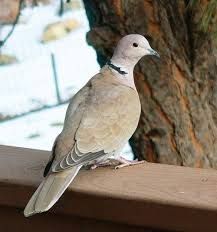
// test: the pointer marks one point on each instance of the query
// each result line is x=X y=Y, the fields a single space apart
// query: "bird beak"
x=153 y=52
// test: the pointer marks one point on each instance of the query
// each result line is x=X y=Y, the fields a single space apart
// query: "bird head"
x=132 y=48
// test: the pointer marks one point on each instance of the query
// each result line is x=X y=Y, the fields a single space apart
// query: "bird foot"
x=126 y=163
x=117 y=163
x=109 y=162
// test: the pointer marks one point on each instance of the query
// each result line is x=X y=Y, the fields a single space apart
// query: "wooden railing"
x=156 y=196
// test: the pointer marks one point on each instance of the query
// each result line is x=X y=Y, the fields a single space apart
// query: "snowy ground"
x=29 y=84
x=36 y=130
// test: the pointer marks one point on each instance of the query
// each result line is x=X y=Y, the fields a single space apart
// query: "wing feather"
x=99 y=124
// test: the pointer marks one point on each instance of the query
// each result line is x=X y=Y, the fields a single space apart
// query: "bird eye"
x=135 y=45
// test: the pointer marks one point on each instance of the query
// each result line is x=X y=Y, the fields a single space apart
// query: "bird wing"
x=64 y=142
x=105 y=120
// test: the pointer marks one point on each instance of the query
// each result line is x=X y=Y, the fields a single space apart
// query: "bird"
x=100 y=119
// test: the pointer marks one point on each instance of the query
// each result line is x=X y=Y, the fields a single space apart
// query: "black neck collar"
x=118 y=69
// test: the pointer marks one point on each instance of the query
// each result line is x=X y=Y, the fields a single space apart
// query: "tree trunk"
x=178 y=93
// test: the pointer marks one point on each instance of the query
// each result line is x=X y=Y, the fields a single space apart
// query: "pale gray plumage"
x=100 y=119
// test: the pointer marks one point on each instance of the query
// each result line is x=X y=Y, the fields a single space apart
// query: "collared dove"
x=99 y=121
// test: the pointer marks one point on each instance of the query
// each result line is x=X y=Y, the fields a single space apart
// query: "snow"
x=35 y=130
x=29 y=84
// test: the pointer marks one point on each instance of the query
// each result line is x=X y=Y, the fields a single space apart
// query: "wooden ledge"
x=149 y=195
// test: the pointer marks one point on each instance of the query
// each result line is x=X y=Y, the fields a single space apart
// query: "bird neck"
x=116 y=68
x=125 y=64
x=123 y=71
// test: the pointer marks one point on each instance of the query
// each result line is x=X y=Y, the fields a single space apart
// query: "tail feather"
x=50 y=190
x=30 y=207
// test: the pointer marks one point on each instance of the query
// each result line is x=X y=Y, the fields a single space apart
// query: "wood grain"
x=58 y=223
x=149 y=195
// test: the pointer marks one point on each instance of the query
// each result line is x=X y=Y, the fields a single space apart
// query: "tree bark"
x=178 y=93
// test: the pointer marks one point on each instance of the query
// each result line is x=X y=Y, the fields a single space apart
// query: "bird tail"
x=50 y=190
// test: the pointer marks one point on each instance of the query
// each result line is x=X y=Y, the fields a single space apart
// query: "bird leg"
x=125 y=163
x=106 y=163
x=117 y=163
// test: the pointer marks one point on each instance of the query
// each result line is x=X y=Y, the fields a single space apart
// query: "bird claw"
x=94 y=166
x=117 y=163
x=128 y=163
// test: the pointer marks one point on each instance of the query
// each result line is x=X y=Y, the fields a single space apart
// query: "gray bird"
x=99 y=121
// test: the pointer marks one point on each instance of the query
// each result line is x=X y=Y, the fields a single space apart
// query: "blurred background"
x=43 y=63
